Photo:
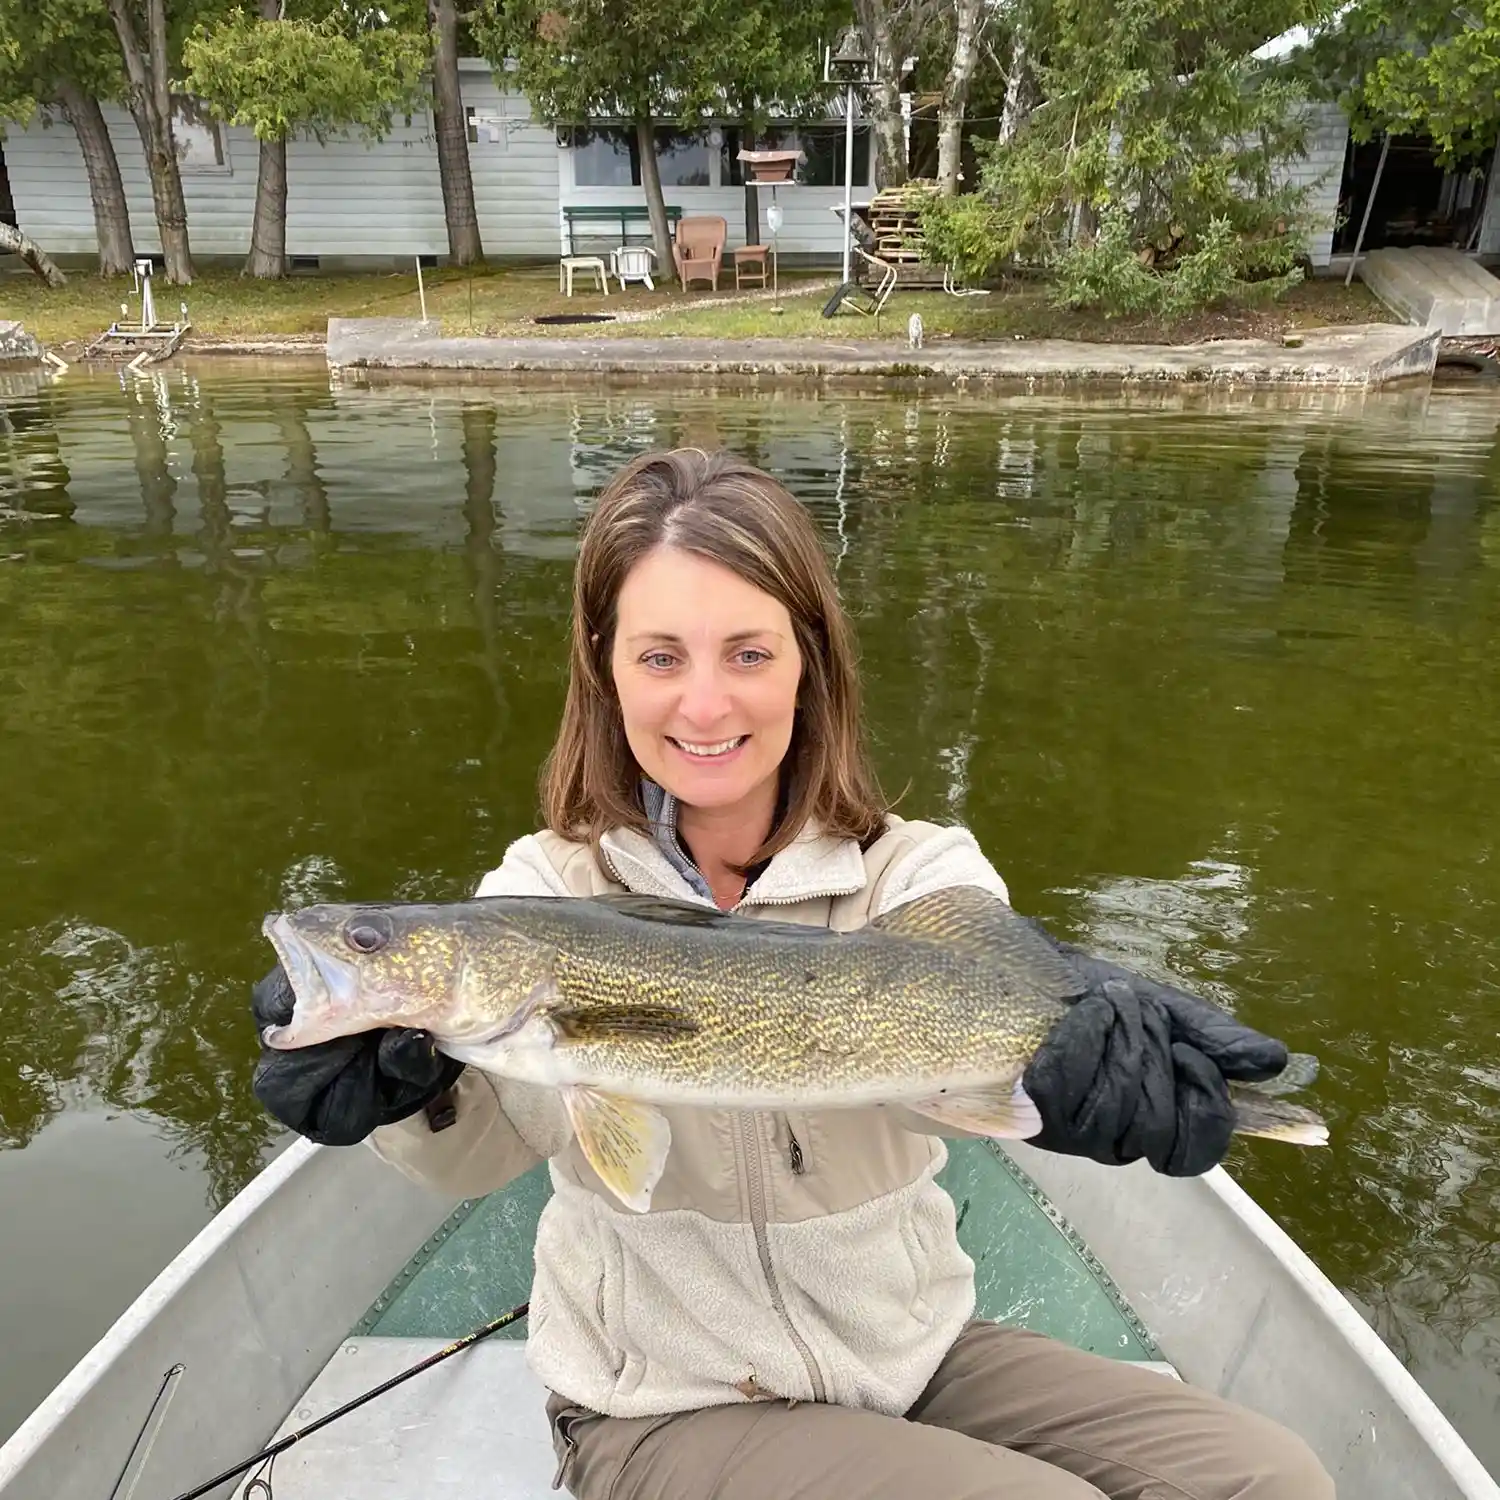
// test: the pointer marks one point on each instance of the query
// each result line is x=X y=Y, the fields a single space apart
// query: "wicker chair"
x=698 y=249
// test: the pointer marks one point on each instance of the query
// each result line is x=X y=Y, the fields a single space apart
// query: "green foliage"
x=42 y=41
x=1426 y=67
x=1109 y=274
x=669 y=60
x=285 y=76
x=1157 y=126
x=1106 y=272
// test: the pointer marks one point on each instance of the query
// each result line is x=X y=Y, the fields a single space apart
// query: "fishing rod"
x=267 y=1455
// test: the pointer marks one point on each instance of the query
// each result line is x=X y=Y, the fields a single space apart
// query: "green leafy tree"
x=1154 y=114
x=281 y=76
x=1424 y=67
x=61 y=57
x=655 y=61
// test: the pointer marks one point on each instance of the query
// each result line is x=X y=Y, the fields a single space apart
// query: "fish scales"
x=858 y=1009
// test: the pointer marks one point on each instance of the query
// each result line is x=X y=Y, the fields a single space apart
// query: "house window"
x=198 y=136
x=822 y=145
x=684 y=158
x=604 y=156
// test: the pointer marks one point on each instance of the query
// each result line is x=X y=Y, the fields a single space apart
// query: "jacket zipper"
x=794 y=1150
x=755 y=1180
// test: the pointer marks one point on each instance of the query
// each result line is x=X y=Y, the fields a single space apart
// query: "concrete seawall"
x=1359 y=356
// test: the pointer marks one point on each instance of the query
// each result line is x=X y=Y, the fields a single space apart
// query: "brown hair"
x=716 y=506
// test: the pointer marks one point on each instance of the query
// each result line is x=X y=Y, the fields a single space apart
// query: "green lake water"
x=1214 y=678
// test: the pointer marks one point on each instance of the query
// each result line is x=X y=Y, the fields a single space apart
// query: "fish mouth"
x=323 y=986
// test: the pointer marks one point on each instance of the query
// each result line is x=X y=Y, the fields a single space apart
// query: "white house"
x=355 y=204
x=350 y=203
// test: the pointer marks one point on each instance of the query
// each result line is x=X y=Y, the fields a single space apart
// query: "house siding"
x=346 y=199
x=1322 y=171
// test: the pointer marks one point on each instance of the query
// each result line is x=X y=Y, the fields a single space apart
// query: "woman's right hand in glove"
x=336 y=1093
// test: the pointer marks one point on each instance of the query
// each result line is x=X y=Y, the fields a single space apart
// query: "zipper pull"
x=794 y=1151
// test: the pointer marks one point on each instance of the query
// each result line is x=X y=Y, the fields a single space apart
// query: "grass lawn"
x=504 y=301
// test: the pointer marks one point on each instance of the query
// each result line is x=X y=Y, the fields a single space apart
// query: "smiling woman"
x=711 y=654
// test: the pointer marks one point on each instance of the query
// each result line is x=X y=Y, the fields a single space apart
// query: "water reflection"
x=1213 y=679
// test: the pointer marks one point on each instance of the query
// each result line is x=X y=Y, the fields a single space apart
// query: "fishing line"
x=259 y=1488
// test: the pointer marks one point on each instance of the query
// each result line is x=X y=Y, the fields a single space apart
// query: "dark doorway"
x=7 y=208
x=1418 y=203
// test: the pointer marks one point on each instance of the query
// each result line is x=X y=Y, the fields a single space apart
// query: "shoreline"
x=1337 y=356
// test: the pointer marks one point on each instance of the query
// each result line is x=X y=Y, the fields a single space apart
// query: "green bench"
x=600 y=222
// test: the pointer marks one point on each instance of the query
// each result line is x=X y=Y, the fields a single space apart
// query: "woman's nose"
x=705 y=700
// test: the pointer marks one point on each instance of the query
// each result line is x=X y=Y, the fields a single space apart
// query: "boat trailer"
x=149 y=341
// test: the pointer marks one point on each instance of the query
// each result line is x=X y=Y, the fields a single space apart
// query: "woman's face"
x=706 y=668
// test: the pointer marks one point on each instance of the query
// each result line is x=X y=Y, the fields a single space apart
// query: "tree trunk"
x=151 y=107
x=267 y=258
x=1011 y=110
x=302 y=469
x=16 y=243
x=968 y=22
x=452 y=129
x=111 y=215
x=883 y=99
x=656 y=206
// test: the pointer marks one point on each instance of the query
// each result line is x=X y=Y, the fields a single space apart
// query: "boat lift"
x=149 y=341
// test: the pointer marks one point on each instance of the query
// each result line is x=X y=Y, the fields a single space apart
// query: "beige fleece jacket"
x=807 y=1255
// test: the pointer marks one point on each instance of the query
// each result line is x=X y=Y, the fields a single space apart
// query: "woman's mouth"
x=708 y=750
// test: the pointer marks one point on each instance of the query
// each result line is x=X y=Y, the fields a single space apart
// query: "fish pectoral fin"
x=594 y=1023
x=625 y=1142
x=1004 y=1112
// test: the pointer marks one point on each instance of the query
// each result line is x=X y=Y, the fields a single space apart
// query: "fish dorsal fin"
x=977 y=924
x=665 y=909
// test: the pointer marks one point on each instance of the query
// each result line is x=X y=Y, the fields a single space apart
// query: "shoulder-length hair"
x=716 y=506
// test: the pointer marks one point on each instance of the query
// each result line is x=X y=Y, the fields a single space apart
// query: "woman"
x=793 y=1317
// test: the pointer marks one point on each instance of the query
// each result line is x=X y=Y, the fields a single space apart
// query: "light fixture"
x=849 y=62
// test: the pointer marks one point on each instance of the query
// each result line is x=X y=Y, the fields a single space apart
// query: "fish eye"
x=368 y=933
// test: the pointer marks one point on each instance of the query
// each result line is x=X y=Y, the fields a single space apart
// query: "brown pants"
x=1009 y=1415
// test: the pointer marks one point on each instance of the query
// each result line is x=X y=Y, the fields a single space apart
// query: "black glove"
x=336 y=1093
x=1140 y=1069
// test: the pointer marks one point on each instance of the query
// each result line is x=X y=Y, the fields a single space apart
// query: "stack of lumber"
x=895 y=218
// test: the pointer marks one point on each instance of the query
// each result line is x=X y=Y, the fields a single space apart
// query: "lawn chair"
x=869 y=291
x=698 y=249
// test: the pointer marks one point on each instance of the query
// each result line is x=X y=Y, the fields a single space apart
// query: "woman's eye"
x=752 y=656
x=659 y=659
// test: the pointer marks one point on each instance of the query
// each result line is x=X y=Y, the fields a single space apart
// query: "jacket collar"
x=813 y=865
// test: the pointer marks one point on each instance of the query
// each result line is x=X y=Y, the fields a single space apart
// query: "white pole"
x=848 y=177
x=1364 y=223
x=421 y=290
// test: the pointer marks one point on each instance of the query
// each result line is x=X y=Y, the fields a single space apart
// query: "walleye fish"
x=626 y=1003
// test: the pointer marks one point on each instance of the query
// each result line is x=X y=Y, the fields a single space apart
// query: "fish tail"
x=1275 y=1120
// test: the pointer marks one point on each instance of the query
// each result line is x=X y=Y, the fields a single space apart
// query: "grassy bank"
x=504 y=302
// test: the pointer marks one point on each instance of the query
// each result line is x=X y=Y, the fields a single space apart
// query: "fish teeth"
x=719 y=748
